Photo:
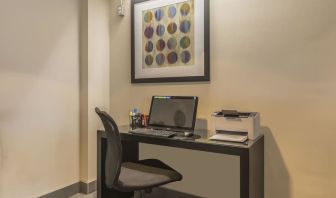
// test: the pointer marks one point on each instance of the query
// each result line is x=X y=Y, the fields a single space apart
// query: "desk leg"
x=252 y=172
x=244 y=175
x=130 y=153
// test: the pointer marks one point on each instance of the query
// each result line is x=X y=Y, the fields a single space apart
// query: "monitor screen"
x=175 y=112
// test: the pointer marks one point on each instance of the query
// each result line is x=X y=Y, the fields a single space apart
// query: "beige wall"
x=39 y=94
x=97 y=83
x=275 y=57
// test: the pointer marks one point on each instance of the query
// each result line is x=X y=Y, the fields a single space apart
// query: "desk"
x=251 y=158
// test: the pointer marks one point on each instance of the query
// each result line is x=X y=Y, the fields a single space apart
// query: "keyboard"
x=153 y=132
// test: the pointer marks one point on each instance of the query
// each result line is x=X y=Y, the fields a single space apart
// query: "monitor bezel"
x=175 y=128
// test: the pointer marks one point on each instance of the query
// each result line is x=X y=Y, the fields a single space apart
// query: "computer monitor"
x=173 y=112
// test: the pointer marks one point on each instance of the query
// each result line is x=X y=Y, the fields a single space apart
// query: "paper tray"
x=229 y=137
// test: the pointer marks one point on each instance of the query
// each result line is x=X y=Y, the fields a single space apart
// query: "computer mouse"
x=188 y=134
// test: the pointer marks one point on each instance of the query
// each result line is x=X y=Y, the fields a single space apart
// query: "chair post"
x=139 y=194
x=142 y=194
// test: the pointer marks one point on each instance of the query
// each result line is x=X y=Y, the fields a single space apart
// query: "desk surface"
x=200 y=137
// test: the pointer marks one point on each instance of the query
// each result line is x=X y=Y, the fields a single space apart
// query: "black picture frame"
x=205 y=77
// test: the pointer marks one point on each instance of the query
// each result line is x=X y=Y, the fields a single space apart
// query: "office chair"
x=140 y=176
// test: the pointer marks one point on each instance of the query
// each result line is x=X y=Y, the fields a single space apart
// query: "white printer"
x=234 y=126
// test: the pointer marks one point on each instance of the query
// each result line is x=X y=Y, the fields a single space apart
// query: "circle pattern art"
x=185 y=9
x=148 y=17
x=149 y=46
x=171 y=43
x=185 y=26
x=149 y=32
x=171 y=12
x=160 y=45
x=185 y=57
x=172 y=57
x=160 y=30
x=159 y=14
x=149 y=60
x=169 y=35
x=172 y=27
x=160 y=59
x=185 y=42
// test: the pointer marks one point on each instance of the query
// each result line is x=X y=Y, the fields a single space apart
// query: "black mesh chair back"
x=113 y=158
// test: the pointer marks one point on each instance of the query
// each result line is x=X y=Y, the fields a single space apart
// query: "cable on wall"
x=121 y=8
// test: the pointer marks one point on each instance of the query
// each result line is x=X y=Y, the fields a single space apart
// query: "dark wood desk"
x=251 y=158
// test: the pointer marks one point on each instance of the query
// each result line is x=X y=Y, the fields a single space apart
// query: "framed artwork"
x=170 y=41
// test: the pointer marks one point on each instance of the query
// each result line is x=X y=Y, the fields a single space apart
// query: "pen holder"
x=135 y=121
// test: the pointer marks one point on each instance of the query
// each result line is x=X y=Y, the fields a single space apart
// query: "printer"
x=234 y=126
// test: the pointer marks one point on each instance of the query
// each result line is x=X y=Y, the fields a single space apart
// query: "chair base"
x=140 y=193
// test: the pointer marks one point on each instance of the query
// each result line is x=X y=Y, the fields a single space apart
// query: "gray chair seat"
x=145 y=174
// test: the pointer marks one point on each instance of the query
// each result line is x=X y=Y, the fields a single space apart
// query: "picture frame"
x=170 y=41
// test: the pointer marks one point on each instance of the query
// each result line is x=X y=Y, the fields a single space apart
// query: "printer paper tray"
x=229 y=137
